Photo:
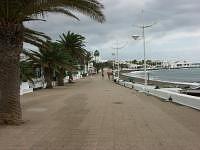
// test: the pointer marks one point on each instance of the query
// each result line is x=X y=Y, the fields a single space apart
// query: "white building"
x=175 y=64
x=132 y=66
x=164 y=64
x=180 y=64
x=195 y=65
x=91 y=69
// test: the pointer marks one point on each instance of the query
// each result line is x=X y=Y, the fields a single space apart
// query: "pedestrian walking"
x=109 y=74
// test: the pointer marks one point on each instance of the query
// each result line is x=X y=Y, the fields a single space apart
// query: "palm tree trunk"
x=48 y=77
x=61 y=77
x=11 y=43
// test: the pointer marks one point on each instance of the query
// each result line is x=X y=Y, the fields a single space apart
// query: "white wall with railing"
x=39 y=83
x=168 y=94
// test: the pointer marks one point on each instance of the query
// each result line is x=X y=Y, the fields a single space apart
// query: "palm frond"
x=17 y=11
x=35 y=38
x=27 y=72
x=63 y=11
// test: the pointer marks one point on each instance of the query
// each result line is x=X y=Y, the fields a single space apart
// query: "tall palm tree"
x=12 y=35
x=74 y=45
x=96 y=54
x=51 y=59
x=88 y=58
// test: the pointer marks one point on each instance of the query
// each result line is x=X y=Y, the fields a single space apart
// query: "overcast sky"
x=175 y=36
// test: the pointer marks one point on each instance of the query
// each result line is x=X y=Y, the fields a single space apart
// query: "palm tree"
x=88 y=58
x=96 y=54
x=51 y=59
x=27 y=71
x=74 y=45
x=12 y=35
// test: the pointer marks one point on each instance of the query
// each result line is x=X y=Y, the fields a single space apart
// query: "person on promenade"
x=109 y=74
x=102 y=73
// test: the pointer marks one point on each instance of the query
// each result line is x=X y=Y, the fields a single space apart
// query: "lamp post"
x=117 y=48
x=136 y=37
x=113 y=54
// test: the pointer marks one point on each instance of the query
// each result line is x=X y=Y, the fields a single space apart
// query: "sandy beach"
x=96 y=114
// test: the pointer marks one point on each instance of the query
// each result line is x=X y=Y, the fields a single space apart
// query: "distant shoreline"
x=142 y=69
x=157 y=82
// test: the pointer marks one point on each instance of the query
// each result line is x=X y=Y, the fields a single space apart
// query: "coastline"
x=168 y=94
x=160 y=83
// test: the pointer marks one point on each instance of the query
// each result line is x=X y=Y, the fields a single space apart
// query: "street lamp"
x=137 y=37
x=113 y=54
x=117 y=48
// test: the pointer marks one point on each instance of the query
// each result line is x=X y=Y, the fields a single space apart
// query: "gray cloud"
x=173 y=17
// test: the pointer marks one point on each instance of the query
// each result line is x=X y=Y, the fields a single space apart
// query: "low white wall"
x=25 y=88
x=129 y=85
x=75 y=77
x=140 y=87
x=66 y=79
x=38 y=83
x=166 y=94
x=121 y=82
x=176 y=90
x=187 y=100
x=183 y=99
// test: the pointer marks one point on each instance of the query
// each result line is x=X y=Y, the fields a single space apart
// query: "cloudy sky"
x=174 y=36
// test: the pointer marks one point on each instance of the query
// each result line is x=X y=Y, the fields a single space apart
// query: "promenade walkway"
x=96 y=114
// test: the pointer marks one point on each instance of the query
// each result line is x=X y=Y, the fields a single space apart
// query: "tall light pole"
x=136 y=37
x=117 y=48
x=113 y=54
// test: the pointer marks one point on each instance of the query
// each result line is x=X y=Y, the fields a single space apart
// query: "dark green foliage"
x=27 y=71
x=98 y=66
x=74 y=44
x=96 y=54
x=16 y=11
x=51 y=58
x=123 y=66
x=13 y=13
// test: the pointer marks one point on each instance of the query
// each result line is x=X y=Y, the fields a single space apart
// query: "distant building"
x=195 y=65
x=133 y=66
x=180 y=64
x=91 y=69
x=174 y=64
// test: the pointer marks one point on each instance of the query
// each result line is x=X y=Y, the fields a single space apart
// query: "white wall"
x=166 y=94
x=25 y=88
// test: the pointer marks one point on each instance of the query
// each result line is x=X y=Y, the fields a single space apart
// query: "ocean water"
x=191 y=75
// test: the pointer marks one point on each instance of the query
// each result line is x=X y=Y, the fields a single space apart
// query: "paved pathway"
x=95 y=114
